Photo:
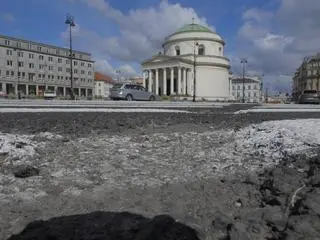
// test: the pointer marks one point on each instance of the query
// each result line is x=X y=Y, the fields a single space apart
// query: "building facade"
x=102 y=85
x=31 y=68
x=307 y=76
x=250 y=88
x=193 y=49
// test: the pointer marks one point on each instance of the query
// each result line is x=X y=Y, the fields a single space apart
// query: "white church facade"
x=193 y=48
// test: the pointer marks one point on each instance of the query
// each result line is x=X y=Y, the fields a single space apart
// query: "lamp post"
x=70 y=21
x=244 y=61
x=194 y=70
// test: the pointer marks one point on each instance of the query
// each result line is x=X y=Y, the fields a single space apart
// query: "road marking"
x=123 y=110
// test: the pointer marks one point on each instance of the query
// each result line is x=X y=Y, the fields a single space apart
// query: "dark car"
x=310 y=96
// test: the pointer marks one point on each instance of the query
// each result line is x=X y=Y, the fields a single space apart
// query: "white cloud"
x=142 y=31
x=105 y=67
x=276 y=42
x=7 y=17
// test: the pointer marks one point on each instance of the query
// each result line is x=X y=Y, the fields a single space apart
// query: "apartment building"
x=252 y=89
x=31 y=68
x=307 y=76
x=103 y=83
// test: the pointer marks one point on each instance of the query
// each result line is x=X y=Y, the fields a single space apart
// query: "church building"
x=192 y=49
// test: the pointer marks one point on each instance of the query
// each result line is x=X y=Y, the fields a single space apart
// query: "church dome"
x=194 y=28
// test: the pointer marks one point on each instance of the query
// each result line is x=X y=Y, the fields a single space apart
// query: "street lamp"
x=244 y=61
x=70 y=21
x=18 y=70
x=194 y=70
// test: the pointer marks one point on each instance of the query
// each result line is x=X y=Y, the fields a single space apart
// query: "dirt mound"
x=107 y=226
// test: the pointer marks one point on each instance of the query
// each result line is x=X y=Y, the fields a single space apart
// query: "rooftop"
x=103 y=78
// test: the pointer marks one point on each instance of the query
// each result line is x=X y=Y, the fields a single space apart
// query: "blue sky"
x=120 y=33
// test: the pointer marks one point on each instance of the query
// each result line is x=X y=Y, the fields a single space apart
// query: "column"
x=157 y=82
x=27 y=89
x=37 y=90
x=184 y=82
x=64 y=91
x=179 y=81
x=172 y=81
x=4 y=87
x=16 y=89
x=150 y=81
x=189 y=80
x=86 y=92
x=144 y=78
x=164 y=84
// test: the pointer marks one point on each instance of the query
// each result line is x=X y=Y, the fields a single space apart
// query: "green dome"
x=194 y=28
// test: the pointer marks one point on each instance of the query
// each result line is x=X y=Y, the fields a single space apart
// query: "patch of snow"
x=268 y=110
x=276 y=139
x=17 y=147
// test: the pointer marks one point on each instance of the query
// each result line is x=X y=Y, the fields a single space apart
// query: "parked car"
x=310 y=96
x=48 y=94
x=3 y=95
x=130 y=92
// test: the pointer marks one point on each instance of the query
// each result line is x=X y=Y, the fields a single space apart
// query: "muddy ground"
x=154 y=164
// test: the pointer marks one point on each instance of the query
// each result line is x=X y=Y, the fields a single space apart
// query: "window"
x=67 y=61
x=39 y=48
x=29 y=46
x=238 y=87
x=82 y=64
x=50 y=59
x=31 y=76
x=75 y=63
x=20 y=64
x=57 y=52
x=41 y=57
x=68 y=70
x=7 y=73
x=89 y=65
x=201 y=49
x=75 y=71
x=9 y=52
x=51 y=68
x=31 y=65
x=39 y=75
x=177 y=50
x=58 y=77
x=7 y=42
x=59 y=69
x=31 y=56
x=23 y=74
x=220 y=50
x=12 y=73
x=82 y=71
x=249 y=87
x=89 y=73
x=59 y=60
x=20 y=54
x=9 y=62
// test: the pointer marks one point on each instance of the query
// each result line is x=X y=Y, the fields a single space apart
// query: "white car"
x=49 y=94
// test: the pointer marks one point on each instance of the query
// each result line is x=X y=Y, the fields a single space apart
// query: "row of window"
x=201 y=50
x=41 y=49
x=50 y=68
x=43 y=76
x=248 y=87
x=50 y=58
x=238 y=94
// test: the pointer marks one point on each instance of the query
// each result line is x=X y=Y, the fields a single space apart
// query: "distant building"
x=307 y=76
x=252 y=89
x=102 y=84
x=137 y=80
x=32 y=67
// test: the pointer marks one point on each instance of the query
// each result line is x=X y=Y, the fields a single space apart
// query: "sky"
x=274 y=35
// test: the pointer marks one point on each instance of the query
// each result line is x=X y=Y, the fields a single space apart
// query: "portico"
x=168 y=79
